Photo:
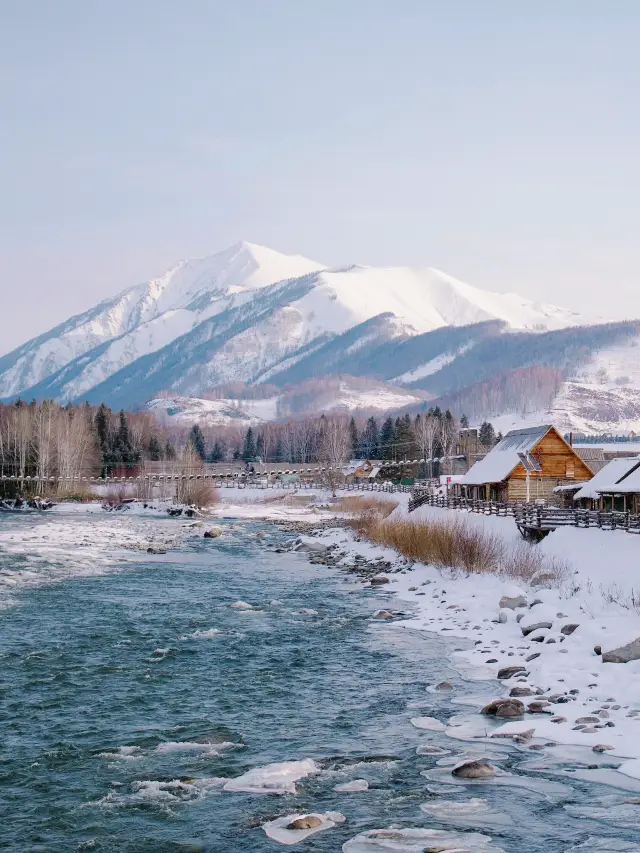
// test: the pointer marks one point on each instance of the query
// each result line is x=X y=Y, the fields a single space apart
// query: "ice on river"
x=279 y=778
x=203 y=635
x=474 y=812
x=356 y=785
x=428 y=723
x=417 y=841
x=277 y=829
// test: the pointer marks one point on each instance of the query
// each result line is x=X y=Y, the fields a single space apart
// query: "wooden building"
x=527 y=465
x=615 y=487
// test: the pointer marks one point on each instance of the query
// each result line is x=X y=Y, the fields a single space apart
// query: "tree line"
x=430 y=435
x=45 y=440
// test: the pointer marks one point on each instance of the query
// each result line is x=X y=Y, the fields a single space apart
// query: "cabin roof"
x=618 y=475
x=500 y=462
x=589 y=454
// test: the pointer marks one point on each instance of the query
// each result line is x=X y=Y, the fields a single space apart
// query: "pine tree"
x=101 y=423
x=369 y=441
x=279 y=453
x=387 y=435
x=464 y=422
x=353 y=438
x=196 y=439
x=249 y=449
x=169 y=451
x=217 y=452
x=404 y=437
x=124 y=452
x=487 y=434
x=153 y=449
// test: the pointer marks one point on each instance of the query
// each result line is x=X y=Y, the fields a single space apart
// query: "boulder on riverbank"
x=623 y=654
x=504 y=708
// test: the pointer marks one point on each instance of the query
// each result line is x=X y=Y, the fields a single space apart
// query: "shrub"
x=200 y=493
x=455 y=544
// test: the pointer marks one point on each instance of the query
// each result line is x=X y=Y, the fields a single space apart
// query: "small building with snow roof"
x=526 y=465
x=614 y=487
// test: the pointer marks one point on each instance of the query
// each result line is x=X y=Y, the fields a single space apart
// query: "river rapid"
x=130 y=697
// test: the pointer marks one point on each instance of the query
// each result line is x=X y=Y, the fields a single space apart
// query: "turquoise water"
x=116 y=694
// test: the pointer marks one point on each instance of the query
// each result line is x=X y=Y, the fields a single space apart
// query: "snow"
x=432 y=366
x=277 y=829
x=607 y=478
x=147 y=316
x=396 y=840
x=231 y=411
x=503 y=458
x=279 y=778
x=143 y=319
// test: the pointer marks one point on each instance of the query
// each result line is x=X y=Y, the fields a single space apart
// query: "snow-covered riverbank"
x=552 y=637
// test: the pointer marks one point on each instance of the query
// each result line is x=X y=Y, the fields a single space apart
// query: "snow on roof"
x=607 y=478
x=629 y=483
x=500 y=462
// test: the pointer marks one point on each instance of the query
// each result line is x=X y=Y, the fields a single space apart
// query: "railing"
x=530 y=516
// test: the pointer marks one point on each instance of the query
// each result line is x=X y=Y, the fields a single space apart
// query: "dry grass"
x=455 y=544
x=628 y=600
x=359 y=504
x=199 y=493
x=81 y=496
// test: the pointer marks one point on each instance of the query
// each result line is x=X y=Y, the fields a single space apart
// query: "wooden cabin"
x=527 y=465
x=615 y=487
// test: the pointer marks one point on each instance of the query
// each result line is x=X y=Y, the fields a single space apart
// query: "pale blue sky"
x=498 y=140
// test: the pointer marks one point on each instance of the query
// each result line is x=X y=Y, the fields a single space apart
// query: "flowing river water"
x=129 y=698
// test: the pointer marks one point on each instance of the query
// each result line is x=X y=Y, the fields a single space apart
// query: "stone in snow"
x=504 y=708
x=623 y=654
x=537 y=626
x=567 y=630
x=512 y=603
x=479 y=769
x=510 y=671
x=378 y=580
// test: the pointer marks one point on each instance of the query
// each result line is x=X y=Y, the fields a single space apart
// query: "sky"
x=495 y=140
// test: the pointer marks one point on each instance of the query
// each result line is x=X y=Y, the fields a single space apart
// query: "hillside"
x=249 y=313
x=335 y=394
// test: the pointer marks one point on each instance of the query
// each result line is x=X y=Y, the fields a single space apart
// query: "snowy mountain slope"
x=252 y=314
x=346 y=394
x=146 y=317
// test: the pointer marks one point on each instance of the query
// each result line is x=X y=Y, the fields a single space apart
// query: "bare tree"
x=334 y=450
x=448 y=431
x=427 y=428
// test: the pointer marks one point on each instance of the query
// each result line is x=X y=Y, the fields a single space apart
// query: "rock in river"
x=479 y=769
x=309 y=821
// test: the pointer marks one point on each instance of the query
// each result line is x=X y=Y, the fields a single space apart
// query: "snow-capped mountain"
x=147 y=317
x=251 y=314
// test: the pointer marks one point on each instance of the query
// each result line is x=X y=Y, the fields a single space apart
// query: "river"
x=129 y=697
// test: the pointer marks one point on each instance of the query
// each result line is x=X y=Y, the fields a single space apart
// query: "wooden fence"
x=533 y=517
